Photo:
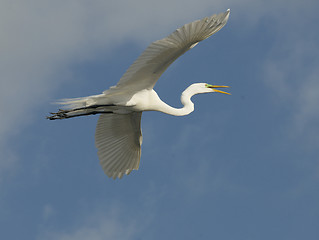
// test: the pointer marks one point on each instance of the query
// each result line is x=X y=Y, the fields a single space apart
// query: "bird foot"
x=61 y=114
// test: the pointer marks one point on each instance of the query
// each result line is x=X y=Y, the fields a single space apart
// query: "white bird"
x=118 y=136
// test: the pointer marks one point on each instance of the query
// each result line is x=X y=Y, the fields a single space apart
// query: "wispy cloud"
x=291 y=71
x=106 y=220
x=8 y=161
x=108 y=226
x=39 y=40
x=48 y=211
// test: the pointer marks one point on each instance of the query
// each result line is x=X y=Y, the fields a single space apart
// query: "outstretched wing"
x=118 y=138
x=151 y=64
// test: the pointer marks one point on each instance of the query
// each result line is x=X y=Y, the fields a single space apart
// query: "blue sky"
x=244 y=166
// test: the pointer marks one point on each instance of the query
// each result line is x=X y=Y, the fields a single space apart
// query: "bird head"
x=197 y=88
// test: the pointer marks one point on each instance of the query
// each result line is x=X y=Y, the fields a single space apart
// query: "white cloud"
x=105 y=221
x=291 y=70
x=41 y=38
x=48 y=211
x=7 y=162
x=306 y=116
x=107 y=227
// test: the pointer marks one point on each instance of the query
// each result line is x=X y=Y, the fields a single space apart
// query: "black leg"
x=62 y=114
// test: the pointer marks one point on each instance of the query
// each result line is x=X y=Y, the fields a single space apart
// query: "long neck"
x=186 y=101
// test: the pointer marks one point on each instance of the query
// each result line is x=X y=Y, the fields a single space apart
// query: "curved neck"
x=186 y=101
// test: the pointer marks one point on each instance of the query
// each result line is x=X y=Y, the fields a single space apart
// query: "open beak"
x=216 y=90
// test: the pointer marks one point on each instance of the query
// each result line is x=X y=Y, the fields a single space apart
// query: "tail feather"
x=71 y=103
x=74 y=107
x=82 y=102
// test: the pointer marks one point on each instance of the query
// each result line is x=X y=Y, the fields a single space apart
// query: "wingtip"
x=226 y=14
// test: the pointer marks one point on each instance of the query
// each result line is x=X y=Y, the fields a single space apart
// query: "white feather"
x=157 y=57
x=118 y=139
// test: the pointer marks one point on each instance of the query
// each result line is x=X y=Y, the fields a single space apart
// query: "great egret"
x=118 y=136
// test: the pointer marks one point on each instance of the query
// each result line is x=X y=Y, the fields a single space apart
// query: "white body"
x=118 y=135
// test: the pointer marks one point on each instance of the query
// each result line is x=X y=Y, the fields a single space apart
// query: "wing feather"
x=151 y=64
x=118 y=139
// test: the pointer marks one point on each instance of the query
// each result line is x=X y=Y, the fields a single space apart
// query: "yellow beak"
x=216 y=90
